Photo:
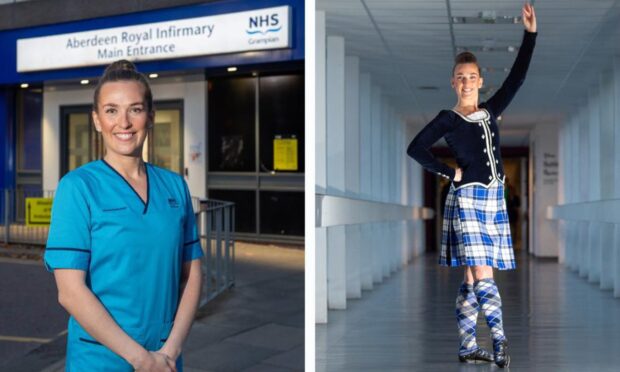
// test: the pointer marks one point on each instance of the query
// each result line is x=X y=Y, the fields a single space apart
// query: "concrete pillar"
x=377 y=265
x=616 y=261
x=584 y=257
x=365 y=117
x=616 y=166
x=594 y=189
x=335 y=139
x=607 y=154
x=584 y=158
x=320 y=168
x=336 y=268
x=352 y=173
x=320 y=289
x=606 y=259
x=352 y=126
x=593 y=126
x=376 y=143
x=594 y=247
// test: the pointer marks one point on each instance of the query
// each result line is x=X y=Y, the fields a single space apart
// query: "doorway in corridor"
x=515 y=193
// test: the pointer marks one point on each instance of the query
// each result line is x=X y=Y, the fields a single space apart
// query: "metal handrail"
x=216 y=221
x=216 y=227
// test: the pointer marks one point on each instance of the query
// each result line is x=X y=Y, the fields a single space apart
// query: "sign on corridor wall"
x=259 y=29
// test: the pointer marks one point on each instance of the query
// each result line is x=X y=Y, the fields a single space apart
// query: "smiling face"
x=122 y=117
x=466 y=82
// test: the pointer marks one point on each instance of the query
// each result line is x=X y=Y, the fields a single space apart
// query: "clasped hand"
x=157 y=362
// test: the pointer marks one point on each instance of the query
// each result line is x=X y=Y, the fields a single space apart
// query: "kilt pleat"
x=476 y=230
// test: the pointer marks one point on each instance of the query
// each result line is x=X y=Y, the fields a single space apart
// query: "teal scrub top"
x=132 y=252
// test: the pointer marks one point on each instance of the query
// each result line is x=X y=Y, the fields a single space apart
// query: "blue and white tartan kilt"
x=476 y=230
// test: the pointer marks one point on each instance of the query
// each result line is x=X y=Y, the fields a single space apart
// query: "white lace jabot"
x=477 y=115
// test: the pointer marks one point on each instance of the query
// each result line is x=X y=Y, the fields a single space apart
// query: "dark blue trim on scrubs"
x=114 y=209
x=148 y=187
x=192 y=242
x=66 y=249
x=90 y=341
x=146 y=204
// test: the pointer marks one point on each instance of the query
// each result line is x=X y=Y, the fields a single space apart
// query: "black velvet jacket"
x=474 y=140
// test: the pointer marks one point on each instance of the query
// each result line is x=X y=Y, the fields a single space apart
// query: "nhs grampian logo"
x=264 y=24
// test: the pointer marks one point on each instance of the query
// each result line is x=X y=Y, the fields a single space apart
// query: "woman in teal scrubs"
x=123 y=244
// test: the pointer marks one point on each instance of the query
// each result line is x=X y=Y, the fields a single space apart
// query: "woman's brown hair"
x=124 y=70
x=465 y=57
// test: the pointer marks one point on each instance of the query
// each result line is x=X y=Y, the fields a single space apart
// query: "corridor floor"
x=554 y=321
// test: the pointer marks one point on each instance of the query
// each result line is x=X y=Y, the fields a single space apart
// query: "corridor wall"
x=369 y=221
x=589 y=201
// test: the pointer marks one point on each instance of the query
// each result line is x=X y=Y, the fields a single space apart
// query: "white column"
x=375 y=178
x=584 y=257
x=321 y=276
x=366 y=176
x=403 y=179
x=365 y=136
x=594 y=148
x=594 y=246
x=376 y=143
x=384 y=186
x=616 y=261
x=584 y=189
x=320 y=169
x=336 y=268
x=570 y=187
x=584 y=158
x=563 y=159
x=352 y=173
x=352 y=126
x=377 y=266
x=616 y=163
x=336 y=241
x=594 y=189
x=607 y=154
x=607 y=248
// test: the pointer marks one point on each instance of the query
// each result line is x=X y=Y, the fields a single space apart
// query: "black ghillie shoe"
x=502 y=359
x=478 y=356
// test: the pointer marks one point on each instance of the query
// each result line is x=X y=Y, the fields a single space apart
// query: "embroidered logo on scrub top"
x=173 y=203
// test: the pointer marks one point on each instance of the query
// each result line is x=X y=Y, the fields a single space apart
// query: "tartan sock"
x=466 y=315
x=491 y=305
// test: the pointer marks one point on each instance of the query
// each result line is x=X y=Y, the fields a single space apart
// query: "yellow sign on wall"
x=285 y=154
x=38 y=211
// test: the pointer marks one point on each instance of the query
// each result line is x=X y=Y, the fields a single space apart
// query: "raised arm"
x=500 y=100
x=431 y=133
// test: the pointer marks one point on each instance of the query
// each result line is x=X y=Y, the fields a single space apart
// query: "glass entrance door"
x=80 y=142
x=165 y=140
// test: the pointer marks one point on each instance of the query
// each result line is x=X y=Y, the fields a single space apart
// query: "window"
x=232 y=117
x=281 y=117
x=245 y=207
x=256 y=143
x=282 y=213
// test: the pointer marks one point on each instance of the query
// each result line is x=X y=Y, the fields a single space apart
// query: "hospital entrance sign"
x=253 y=30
